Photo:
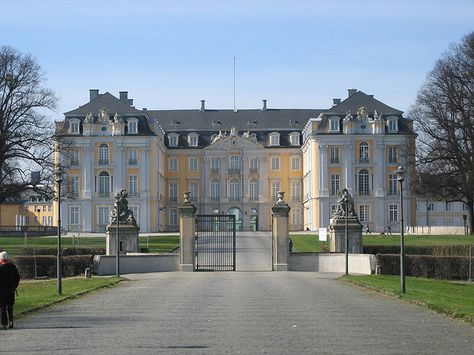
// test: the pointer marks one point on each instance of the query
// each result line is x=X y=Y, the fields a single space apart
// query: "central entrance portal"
x=215 y=243
x=235 y=211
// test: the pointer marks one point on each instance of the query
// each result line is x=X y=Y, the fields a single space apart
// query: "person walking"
x=9 y=280
x=367 y=230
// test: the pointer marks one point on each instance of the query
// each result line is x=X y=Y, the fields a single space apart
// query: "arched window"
x=215 y=190
x=234 y=190
x=363 y=182
x=104 y=184
x=363 y=152
x=253 y=189
x=103 y=154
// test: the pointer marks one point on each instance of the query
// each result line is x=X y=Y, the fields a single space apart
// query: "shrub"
x=46 y=265
x=449 y=250
x=65 y=251
x=429 y=266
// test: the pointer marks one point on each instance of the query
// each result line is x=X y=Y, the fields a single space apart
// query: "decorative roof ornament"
x=89 y=118
x=321 y=116
x=218 y=137
x=377 y=117
x=362 y=113
x=103 y=115
x=118 y=118
x=233 y=132
x=348 y=116
x=246 y=135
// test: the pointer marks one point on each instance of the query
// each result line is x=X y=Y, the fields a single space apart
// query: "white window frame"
x=132 y=156
x=173 y=217
x=364 y=152
x=193 y=164
x=133 y=186
x=253 y=190
x=103 y=215
x=132 y=126
x=275 y=163
x=172 y=164
x=235 y=190
x=104 y=184
x=295 y=190
x=392 y=154
x=104 y=154
x=74 y=181
x=363 y=183
x=364 y=213
x=173 y=139
x=393 y=213
x=74 y=126
x=274 y=139
x=392 y=124
x=74 y=161
x=215 y=189
x=275 y=187
x=234 y=162
x=173 y=191
x=193 y=139
x=335 y=184
x=334 y=157
x=193 y=187
x=295 y=163
x=392 y=184
x=294 y=139
x=334 y=125
x=75 y=215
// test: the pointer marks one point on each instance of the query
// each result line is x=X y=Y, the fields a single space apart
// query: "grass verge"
x=452 y=298
x=34 y=295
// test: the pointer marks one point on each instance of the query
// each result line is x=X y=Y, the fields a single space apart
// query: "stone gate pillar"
x=187 y=229
x=280 y=233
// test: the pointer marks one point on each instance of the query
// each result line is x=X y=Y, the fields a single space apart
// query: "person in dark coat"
x=9 y=280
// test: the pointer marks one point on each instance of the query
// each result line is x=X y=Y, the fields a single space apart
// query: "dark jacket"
x=9 y=278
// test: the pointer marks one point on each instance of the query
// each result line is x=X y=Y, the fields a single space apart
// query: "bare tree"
x=444 y=118
x=26 y=135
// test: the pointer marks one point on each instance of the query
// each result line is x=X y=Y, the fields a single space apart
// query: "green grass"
x=157 y=244
x=452 y=298
x=33 y=295
x=310 y=243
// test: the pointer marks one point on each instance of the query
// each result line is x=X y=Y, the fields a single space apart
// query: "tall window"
x=364 y=152
x=74 y=126
x=215 y=190
x=275 y=188
x=253 y=189
x=215 y=164
x=132 y=156
x=132 y=126
x=193 y=164
x=73 y=215
x=364 y=213
x=295 y=191
x=363 y=182
x=133 y=186
x=234 y=162
x=294 y=138
x=254 y=165
x=334 y=123
x=173 y=191
x=393 y=213
x=103 y=216
x=74 y=186
x=275 y=163
x=392 y=185
x=392 y=125
x=295 y=163
x=103 y=154
x=334 y=157
x=335 y=184
x=173 y=217
x=74 y=157
x=173 y=140
x=392 y=154
x=295 y=216
x=104 y=184
x=234 y=189
x=193 y=140
x=172 y=164
x=193 y=188
x=274 y=139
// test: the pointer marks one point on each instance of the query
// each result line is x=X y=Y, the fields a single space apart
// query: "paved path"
x=254 y=251
x=237 y=313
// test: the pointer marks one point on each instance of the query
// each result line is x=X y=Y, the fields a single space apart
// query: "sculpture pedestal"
x=337 y=236
x=128 y=239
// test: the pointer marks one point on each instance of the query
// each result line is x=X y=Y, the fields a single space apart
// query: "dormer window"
x=392 y=124
x=132 y=125
x=295 y=138
x=193 y=139
x=274 y=139
x=74 y=126
x=334 y=124
x=173 y=140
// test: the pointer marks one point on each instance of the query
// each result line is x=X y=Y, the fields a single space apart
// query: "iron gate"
x=215 y=243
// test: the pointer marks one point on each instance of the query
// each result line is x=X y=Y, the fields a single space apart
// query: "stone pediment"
x=233 y=142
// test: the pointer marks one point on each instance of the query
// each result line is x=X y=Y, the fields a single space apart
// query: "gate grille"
x=215 y=243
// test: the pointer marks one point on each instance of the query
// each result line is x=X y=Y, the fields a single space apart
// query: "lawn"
x=310 y=243
x=156 y=244
x=452 y=298
x=37 y=294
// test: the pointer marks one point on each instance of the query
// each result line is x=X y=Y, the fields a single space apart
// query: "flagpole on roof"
x=234 y=84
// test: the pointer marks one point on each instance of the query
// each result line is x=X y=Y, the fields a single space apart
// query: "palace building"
x=233 y=162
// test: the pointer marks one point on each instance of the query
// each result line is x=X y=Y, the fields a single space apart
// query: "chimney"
x=144 y=109
x=93 y=94
x=264 y=107
x=123 y=95
x=203 y=105
x=336 y=102
x=351 y=92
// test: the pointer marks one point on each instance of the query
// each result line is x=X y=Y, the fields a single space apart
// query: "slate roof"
x=359 y=99
x=107 y=100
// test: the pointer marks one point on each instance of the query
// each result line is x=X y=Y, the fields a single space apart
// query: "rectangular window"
x=295 y=191
x=215 y=187
x=275 y=188
x=364 y=213
x=173 y=164
x=193 y=141
x=132 y=156
x=295 y=163
x=215 y=164
x=295 y=139
x=193 y=188
x=74 y=215
x=334 y=155
x=431 y=206
x=74 y=157
x=275 y=139
x=392 y=185
x=253 y=187
x=335 y=184
x=74 y=180
x=173 y=191
x=392 y=154
x=132 y=127
x=103 y=217
x=193 y=164
x=334 y=125
x=393 y=213
x=173 y=141
x=275 y=163
x=254 y=165
x=173 y=217
x=133 y=186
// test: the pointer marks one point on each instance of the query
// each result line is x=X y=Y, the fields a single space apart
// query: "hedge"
x=429 y=266
x=46 y=265
x=450 y=250
x=65 y=251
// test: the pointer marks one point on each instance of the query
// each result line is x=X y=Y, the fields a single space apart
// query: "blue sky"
x=296 y=54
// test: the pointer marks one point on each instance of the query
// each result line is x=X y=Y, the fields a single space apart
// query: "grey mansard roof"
x=359 y=99
x=108 y=101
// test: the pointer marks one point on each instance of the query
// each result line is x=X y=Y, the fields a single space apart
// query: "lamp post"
x=401 y=177
x=345 y=198
x=117 y=244
x=59 y=180
x=464 y=218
